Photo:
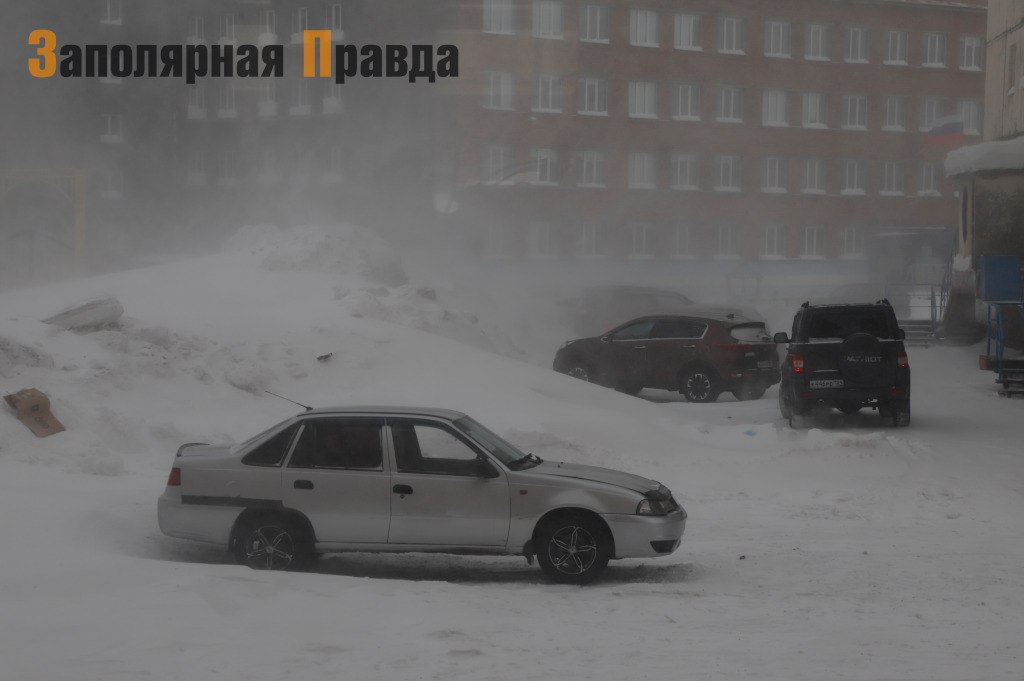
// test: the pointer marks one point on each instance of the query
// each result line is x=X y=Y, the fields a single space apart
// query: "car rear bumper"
x=643 y=536
x=197 y=522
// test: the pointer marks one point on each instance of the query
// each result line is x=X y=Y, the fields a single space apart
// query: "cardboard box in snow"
x=33 y=409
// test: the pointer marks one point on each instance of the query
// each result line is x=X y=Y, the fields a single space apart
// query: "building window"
x=229 y=166
x=730 y=35
x=681 y=241
x=895 y=113
x=931 y=110
x=934 y=50
x=816 y=47
x=813 y=237
x=544 y=166
x=896 y=47
x=771 y=242
x=774 y=111
x=970 y=112
x=643 y=28
x=113 y=131
x=970 y=53
x=851 y=242
x=929 y=185
x=727 y=173
x=592 y=240
x=594 y=23
x=300 y=23
x=642 y=99
x=226 y=103
x=892 y=178
x=497 y=164
x=268 y=27
x=686 y=102
x=333 y=102
x=542 y=242
x=593 y=96
x=855 y=112
x=334 y=17
x=688 y=32
x=196 y=173
x=642 y=241
x=112 y=13
x=730 y=105
x=641 y=170
x=776 y=39
x=300 y=101
x=498 y=90
x=196 y=102
x=547 y=94
x=775 y=179
x=684 y=172
x=196 y=30
x=498 y=16
x=857 y=45
x=727 y=238
x=547 y=18
x=228 y=34
x=814 y=176
x=815 y=110
x=854 y=177
x=591 y=166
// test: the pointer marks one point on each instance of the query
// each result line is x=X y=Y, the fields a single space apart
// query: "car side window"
x=339 y=443
x=273 y=451
x=678 y=328
x=636 y=331
x=427 y=447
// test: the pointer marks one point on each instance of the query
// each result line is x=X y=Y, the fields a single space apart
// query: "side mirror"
x=484 y=468
x=780 y=337
x=607 y=338
x=900 y=334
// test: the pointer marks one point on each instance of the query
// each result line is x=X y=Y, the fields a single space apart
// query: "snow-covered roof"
x=976 y=158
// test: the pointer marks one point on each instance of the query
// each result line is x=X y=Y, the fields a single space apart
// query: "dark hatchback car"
x=700 y=356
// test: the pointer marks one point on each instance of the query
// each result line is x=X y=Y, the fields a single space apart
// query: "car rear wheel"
x=900 y=414
x=699 y=385
x=573 y=548
x=272 y=544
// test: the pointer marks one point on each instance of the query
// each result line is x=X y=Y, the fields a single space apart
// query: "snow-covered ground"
x=847 y=551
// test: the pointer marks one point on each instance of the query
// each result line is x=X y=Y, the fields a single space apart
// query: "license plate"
x=827 y=383
x=765 y=365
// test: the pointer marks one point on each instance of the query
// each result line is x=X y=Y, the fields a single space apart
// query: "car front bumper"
x=644 y=536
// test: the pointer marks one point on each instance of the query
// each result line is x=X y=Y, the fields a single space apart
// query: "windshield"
x=502 y=450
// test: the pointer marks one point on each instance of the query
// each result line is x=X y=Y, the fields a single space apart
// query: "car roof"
x=707 y=314
x=449 y=414
x=841 y=306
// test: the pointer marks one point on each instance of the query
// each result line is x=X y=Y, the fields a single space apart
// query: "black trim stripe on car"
x=195 y=500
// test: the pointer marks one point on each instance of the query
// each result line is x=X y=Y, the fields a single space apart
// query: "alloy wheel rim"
x=270 y=548
x=572 y=550
x=580 y=373
x=698 y=386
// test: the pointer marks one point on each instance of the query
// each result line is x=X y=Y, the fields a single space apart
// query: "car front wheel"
x=573 y=549
x=272 y=544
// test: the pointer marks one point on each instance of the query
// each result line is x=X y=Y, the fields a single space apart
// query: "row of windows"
x=779 y=107
x=266 y=22
x=299 y=101
x=731 y=35
x=686 y=172
x=641 y=240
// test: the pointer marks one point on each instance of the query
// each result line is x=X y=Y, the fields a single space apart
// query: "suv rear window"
x=843 y=322
x=750 y=333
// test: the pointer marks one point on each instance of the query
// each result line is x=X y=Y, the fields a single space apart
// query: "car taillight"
x=174 y=479
x=901 y=360
x=798 y=364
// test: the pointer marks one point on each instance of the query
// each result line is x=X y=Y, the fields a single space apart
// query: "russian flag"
x=947 y=130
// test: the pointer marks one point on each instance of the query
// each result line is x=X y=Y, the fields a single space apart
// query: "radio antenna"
x=304 y=406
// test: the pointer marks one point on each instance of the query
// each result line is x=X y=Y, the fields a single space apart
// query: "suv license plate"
x=764 y=364
x=827 y=383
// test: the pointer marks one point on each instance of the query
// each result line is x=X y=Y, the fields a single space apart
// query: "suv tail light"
x=174 y=479
x=901 y=360
x=798 y=364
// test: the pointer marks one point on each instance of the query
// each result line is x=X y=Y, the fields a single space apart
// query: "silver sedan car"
x=401 y=479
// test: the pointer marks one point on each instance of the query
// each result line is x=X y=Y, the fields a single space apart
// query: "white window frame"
x=593 y=241
x=813 y=238
x=894 y=112
x=113 y=13
x=594 y=96
x=498 y=90
x=855 y=112
x=892 y=179
x=196 y=102
x=857 y=49
x=196 y=30
x=777 y=39
x=593 y=23
x=814 y=110
x=592 y=168
x=772 y=242
x=229 y=32
x=685 y=171
x=775 y=108
x=851 y=242
x=970 y=112
x=300 y=23
x=929 y=179
x=816 y=43
x=643 y=99
x=726 y=246
x=641 y=169
x=547 y=93
x=642 y=233
x=688 y=35
x=548 y=19
x=227 y=107
x=727 y=173
x=682 y=241
x=542 y=241
x=498 y=17
x=854 y=177
x=113 y=124
x=774 y=176
x=931 y=110
x=897 y=46
x=934 y=53
x=691 y=110
x=972 y=50
x=729 y=104
x=498 y=164
x=643 y=27
x=815 y=176
x=730 y=35
x=544 y=166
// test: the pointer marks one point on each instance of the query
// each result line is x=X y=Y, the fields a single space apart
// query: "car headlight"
x=656 y=506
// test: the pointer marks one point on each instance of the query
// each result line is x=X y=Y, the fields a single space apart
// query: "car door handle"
x=402 y=489
x=639 y=347
x=303 y=484
x=689 y=347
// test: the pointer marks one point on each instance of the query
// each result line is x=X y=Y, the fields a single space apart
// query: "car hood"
x=607 y=476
